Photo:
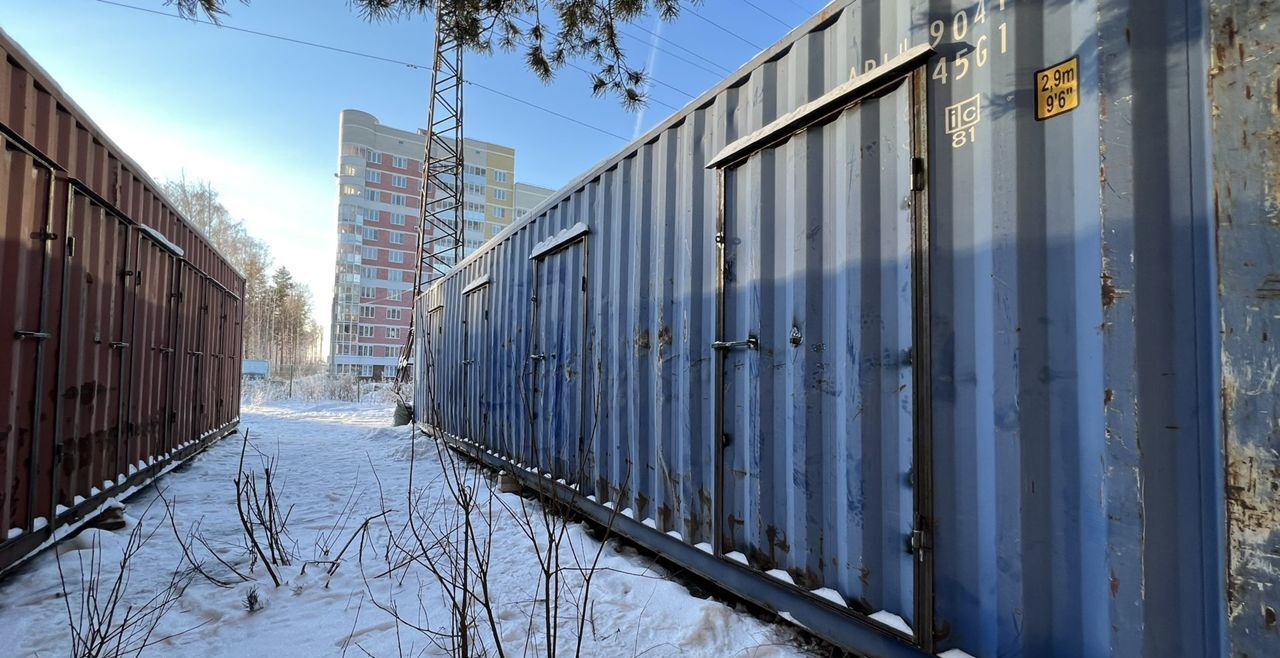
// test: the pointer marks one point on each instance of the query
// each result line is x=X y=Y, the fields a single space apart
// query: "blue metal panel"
x=1073 y=463
x=818 y=416
x=1245 y=88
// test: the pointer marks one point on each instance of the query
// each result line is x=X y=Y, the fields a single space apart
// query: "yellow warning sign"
x=1058 y=89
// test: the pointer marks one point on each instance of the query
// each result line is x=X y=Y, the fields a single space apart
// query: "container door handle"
x=751 y=343
x=119 y=345
x=35 y=335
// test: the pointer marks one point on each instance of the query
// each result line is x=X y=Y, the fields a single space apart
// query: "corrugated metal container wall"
x=928 y=358
x=108 y=287
x=1245 y=97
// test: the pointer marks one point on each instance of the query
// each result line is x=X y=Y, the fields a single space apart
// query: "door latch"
x=751 y=343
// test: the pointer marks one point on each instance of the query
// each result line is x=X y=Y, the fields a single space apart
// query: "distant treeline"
x=278 y=321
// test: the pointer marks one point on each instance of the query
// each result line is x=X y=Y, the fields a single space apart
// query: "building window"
x=396 y=237
x=395 y=295
x=499 y=175
x=350 y=190
x=371 y=234
x=399 y=200
x=370 y=215
x=399 y=162
x=347 y=170
x=500 y=194
x=373 y=176
x=366 y=371
x=393 y=333
x=499 y=212
x=369 y=293
x=399 y=181
x=371 y=195
x=370 y=273
x=366 y=312
x=369 y=253
x=393 y=314
x=364 y=350
x=478 y=171
x=396 y=256
x=397 y=219
x=366 y=331
x=374 y=157
x=521 y=212
x=473 y=187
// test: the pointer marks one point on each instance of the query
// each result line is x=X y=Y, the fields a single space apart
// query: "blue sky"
x=258 y=117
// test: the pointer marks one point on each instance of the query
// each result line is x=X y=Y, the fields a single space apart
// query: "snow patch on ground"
x=954 y=653
x=329 y=454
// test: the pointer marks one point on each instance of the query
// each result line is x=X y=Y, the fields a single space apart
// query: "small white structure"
x=255 y=368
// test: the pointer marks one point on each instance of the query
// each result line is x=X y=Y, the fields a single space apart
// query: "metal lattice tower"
x=440 y=227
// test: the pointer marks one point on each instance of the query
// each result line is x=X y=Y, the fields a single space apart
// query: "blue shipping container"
x=926 y=327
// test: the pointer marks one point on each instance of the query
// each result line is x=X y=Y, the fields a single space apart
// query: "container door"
x=154 y=342
x=187 y=398
x=94 y=353
x=27 y=335
x=428 y=341
x=556 y=361
x=474 y=329
x=817 y=348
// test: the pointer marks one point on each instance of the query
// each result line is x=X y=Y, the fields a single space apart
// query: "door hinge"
x=43 y=235
x=919 y=542
x=917 y=174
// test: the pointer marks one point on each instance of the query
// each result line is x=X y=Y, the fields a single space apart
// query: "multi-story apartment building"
x=529 y=196
x=379 y=190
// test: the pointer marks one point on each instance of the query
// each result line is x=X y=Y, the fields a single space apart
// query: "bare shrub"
x=101 y=615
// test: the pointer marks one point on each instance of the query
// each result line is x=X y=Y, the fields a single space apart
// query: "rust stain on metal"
x=643 y=341
x=1110 y=294
x=1270 y=287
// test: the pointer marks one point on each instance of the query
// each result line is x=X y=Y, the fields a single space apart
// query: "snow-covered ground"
x=340 y=463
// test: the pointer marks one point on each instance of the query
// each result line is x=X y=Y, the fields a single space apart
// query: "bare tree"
x=279 y=322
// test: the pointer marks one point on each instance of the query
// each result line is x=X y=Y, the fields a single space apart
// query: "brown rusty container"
x=121 y=323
